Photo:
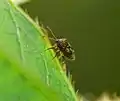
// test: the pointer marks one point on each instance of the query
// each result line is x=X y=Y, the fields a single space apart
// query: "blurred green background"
x=93 y=29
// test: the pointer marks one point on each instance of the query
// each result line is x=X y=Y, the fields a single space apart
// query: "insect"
x=62 y=48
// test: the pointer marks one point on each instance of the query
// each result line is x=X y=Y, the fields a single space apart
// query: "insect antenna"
x=51 y=32
x=52 y=38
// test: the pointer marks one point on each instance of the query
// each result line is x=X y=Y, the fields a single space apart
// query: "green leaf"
x=17 y=84
x=27 y=71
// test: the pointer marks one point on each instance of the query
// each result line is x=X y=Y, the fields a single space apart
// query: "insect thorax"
x=65 y=48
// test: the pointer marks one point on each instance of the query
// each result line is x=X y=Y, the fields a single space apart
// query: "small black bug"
x=62 y=47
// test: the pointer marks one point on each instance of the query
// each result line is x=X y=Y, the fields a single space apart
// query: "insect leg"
x=53 y=47
x=57 y=52
x=63 y=59
x=50 y=48
x=64 y=67
x=59 y=57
